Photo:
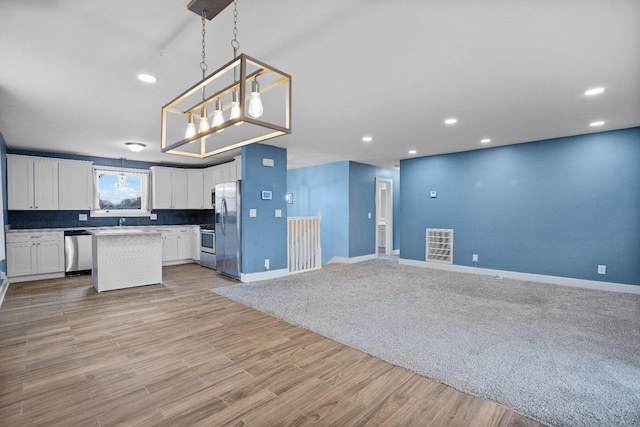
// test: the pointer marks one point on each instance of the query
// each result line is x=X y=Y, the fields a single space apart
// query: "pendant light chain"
x=234 y=43
x=203 y=64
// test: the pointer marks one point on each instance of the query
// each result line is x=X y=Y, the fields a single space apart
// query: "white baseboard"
x=264 y=275
x=396 y=252
x=343 y=260
x=15 y=279
x=540 y=278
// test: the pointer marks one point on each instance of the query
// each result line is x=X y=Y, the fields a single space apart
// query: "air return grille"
x=440 y=245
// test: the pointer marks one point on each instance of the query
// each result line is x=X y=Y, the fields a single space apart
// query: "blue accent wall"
x=324 y=189
x=344 y=194
x=557 y=207
x=264 y=236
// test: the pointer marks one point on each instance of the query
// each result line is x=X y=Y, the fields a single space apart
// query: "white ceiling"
x=512 y=71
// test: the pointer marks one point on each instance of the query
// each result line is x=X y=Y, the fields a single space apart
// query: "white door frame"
x=388 y=249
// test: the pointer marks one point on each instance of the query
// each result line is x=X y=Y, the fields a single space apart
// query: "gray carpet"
x=563 y=356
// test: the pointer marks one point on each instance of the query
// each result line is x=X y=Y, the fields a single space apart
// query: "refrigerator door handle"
x=223 y=220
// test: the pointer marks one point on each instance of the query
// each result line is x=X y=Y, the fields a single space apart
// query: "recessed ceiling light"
x=412 y=151
x=594 y=91
x=147 y=78
x=485 y=140
x=367 y=139
x=135 y=146
x=451 y=121
x=597 y=123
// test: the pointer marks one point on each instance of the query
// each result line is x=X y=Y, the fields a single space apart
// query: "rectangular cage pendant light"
x=220 y=113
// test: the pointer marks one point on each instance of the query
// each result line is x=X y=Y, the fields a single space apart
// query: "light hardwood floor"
x=179 y=355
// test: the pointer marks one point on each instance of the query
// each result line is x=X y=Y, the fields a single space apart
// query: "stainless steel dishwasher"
x=78 y=251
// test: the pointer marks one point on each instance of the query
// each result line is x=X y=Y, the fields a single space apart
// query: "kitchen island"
x=124 y=258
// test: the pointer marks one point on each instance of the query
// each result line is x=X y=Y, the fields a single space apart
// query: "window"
x=120 y=192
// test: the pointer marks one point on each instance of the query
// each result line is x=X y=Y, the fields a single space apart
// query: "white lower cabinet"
x=176 y=245
x=35 y=254
x=195 y=243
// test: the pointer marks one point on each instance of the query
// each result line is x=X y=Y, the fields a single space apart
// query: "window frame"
x=145 y=203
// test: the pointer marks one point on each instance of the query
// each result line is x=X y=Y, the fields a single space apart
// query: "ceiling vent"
x=439 y=245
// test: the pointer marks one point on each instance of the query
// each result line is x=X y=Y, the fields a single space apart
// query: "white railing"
x=304 y=252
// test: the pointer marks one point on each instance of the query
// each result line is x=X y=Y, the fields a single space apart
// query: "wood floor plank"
x=179 y=354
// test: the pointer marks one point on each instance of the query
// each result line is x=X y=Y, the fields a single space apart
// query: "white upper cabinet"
x=226 y=172
x=195 y=189
x=32 y=183
x=209 y=186
x=75 y=185
x=238 y=163
x=169 y=188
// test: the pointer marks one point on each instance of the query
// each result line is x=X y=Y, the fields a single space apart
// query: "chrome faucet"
x=121 y=222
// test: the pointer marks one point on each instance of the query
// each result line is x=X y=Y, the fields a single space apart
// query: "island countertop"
x=123 y=231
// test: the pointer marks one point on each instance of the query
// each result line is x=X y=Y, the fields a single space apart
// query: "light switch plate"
x=278 y=213
x=82 y=217
x=602 y=269
x=153 y=217
x=253 y=213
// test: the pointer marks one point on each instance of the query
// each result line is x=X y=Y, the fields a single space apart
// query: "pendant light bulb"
x=218 y=117
x=204 y=121
x=191 y=128
x=235 y=107
x=255 y=103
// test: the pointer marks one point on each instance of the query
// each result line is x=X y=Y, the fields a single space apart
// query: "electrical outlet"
x=602 y=269
x=474 y=258
x=266 y=264
x=2 y=275
x=82 y=217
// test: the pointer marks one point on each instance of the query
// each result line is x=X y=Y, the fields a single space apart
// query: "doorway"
x=384 y=216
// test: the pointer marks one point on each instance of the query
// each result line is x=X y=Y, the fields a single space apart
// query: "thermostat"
x=266 y=194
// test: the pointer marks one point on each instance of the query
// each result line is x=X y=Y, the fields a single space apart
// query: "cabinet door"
x=225 y=172
x=50 y=257
x=184 y=245
x=238 y=162
x=169 y=247
x=75 y=186
x=195 y=244
x=21 y=259
x=209 y=185
x=19 y=183
x=45 y=182
x=195 y=192
x=161 y=185
x=179 y=183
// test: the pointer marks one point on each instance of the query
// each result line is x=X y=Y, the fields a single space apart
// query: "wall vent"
x=440 y=245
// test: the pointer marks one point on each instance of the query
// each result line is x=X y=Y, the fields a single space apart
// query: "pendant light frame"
x=241 y=63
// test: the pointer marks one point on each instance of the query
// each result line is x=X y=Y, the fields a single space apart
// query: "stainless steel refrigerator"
x=228 y=229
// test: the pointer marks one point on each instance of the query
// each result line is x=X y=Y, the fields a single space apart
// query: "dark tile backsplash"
x=69 y=219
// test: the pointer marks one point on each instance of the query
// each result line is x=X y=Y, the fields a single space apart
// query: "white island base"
x=126 y=258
